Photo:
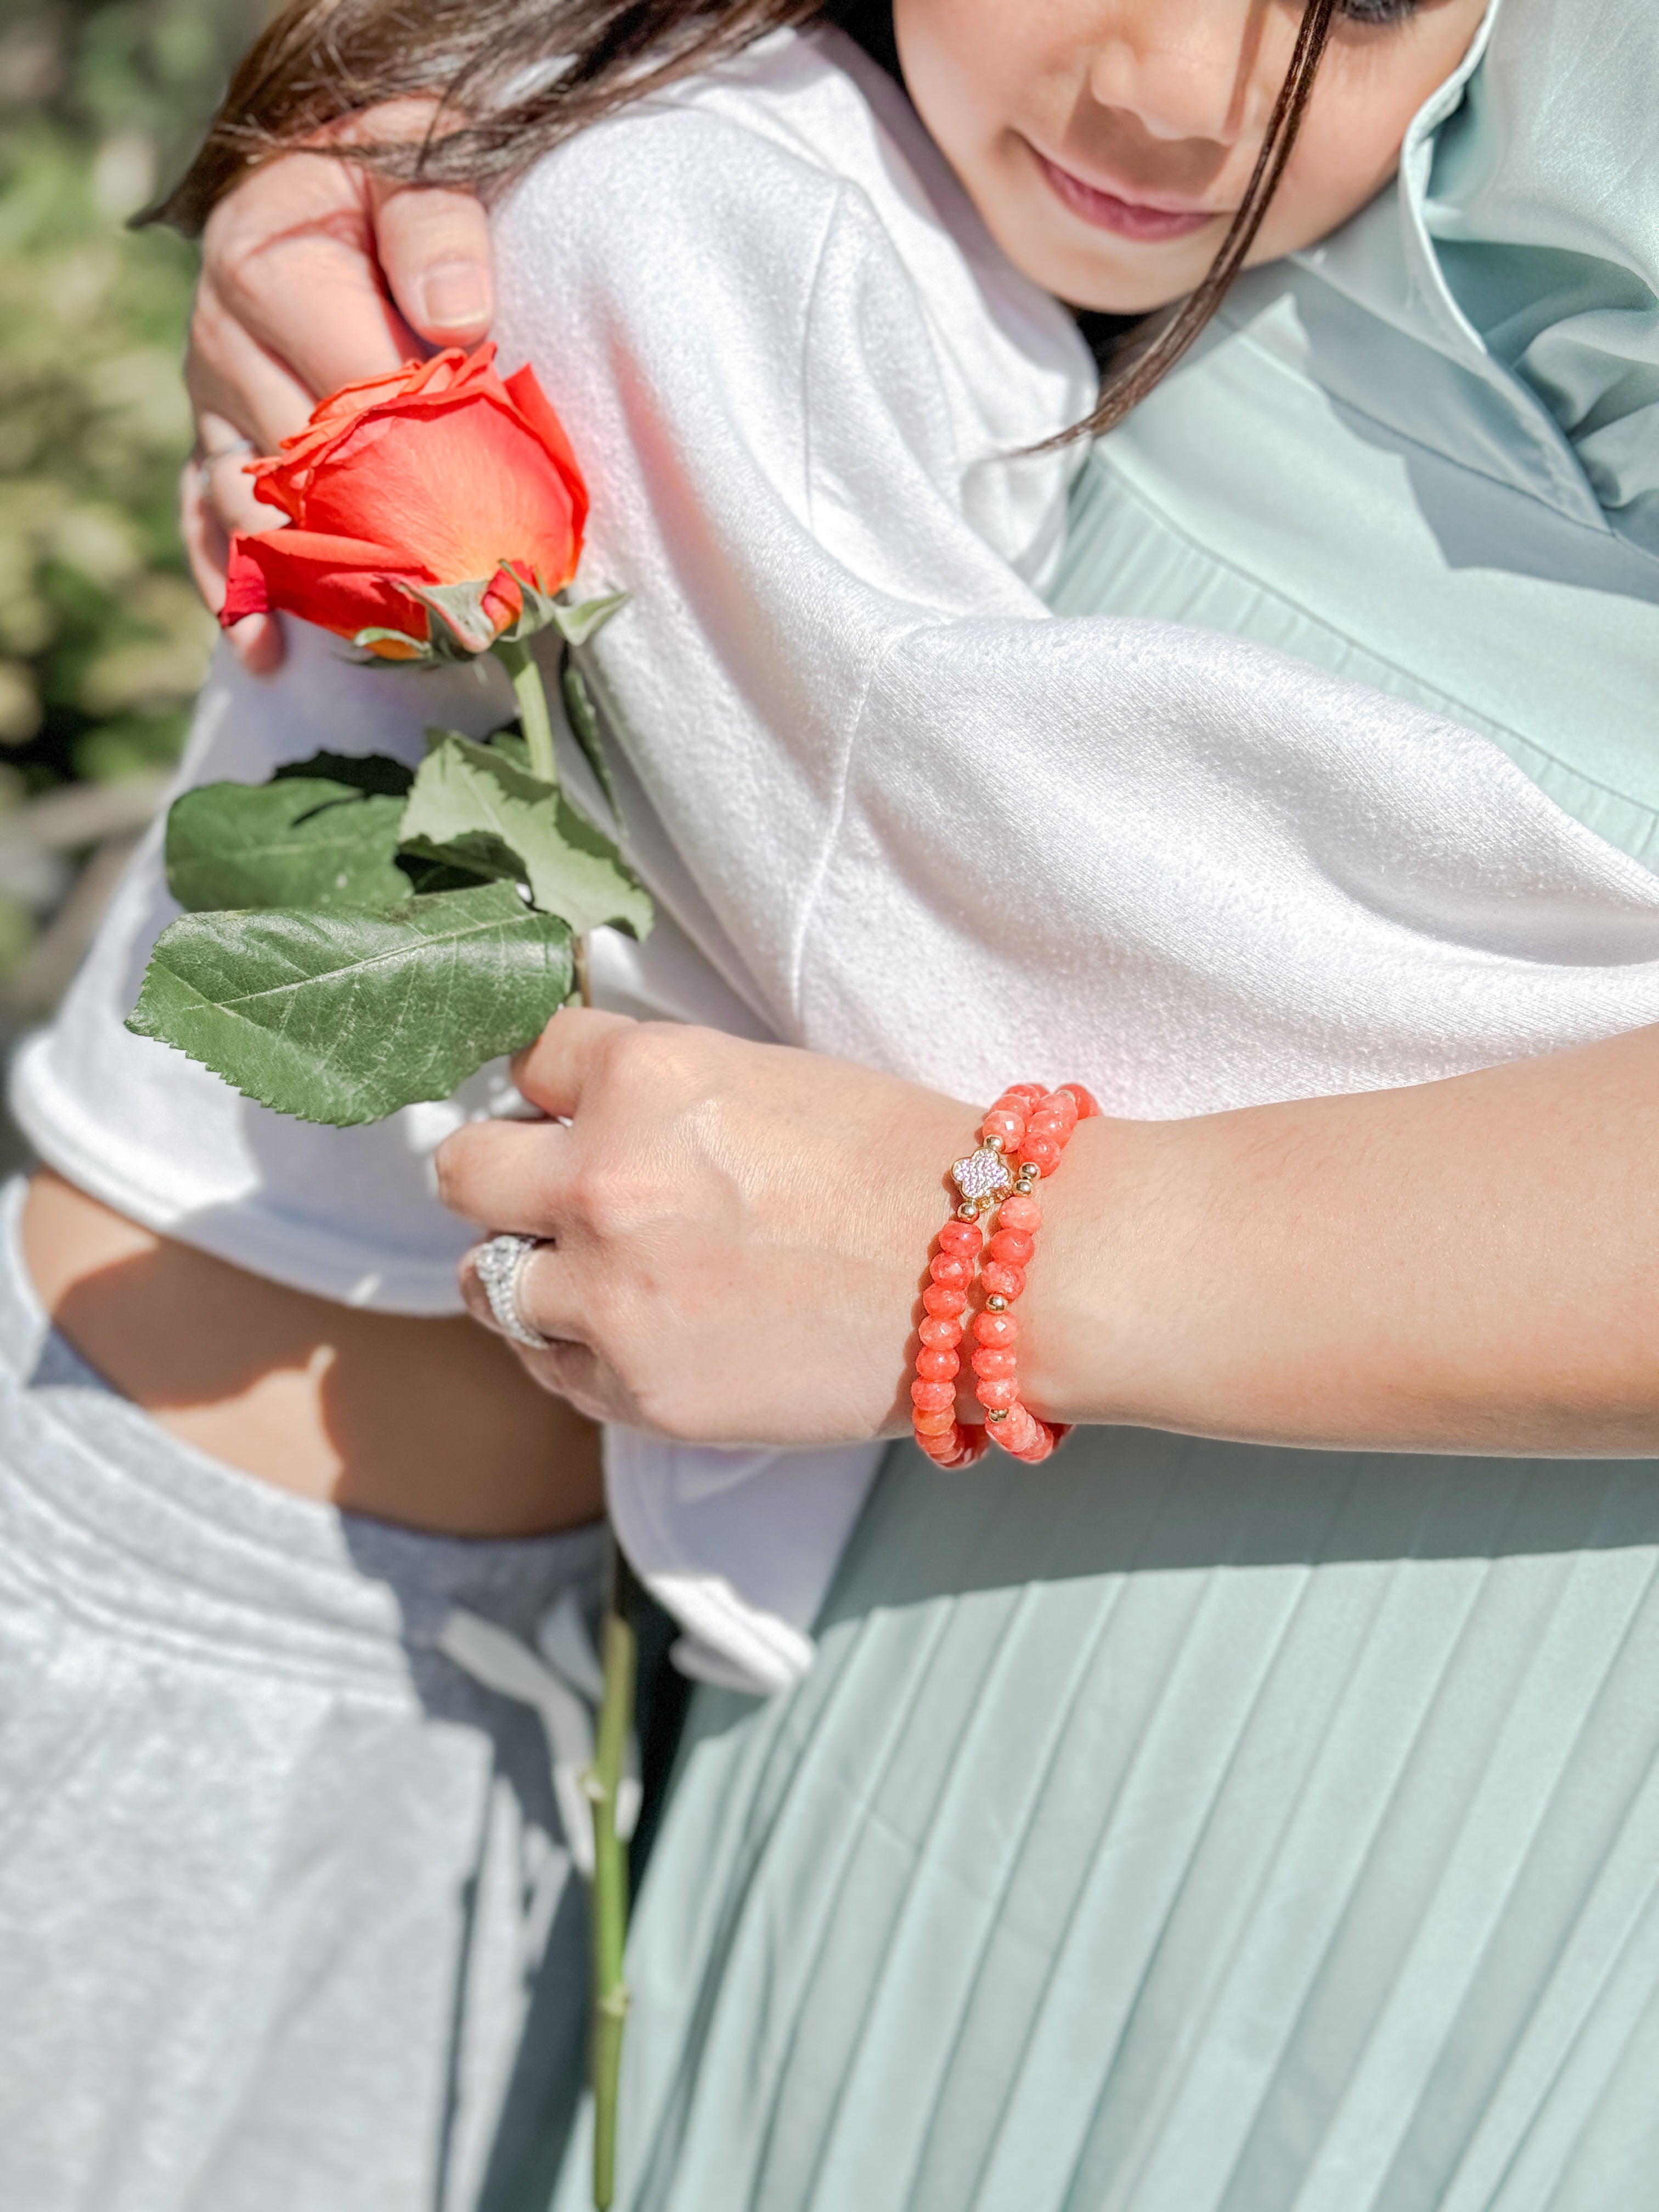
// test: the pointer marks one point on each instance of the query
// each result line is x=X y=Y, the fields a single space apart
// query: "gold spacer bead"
x=967 y=1211
x=997 y=1413
x=996 y=1303
x=993 y=1144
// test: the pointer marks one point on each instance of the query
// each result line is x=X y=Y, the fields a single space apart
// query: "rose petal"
x=341 y=585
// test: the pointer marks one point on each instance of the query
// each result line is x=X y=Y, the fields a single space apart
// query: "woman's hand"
x=743 y=1230
x=315 y=273
x=739 y=1233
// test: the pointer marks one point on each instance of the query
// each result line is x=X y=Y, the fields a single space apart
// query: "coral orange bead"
x=935 y=1364
x=1024 y=1435
x=1003 y=1122
x=934 y=1397
x=1024 y=1214
x=1012 y=1247
x=944 y=1300
x=940 y=1331
x=1042 y=1152
x=940 y=1424
x=1088 y=1106
x=1001 y=1281
x=952 y=1270
x=994 y=1391
x=995 y=1359
x=962 y=1237
x=1026 y=1095
x=996 y=1328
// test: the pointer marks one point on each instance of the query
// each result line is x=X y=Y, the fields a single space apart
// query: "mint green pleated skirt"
x=1193 y=1827
x=1184 y=1828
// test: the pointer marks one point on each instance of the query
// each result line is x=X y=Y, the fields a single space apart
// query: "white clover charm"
x=982 y=1177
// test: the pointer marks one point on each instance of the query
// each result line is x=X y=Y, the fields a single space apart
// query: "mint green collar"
x=1522 y=241
x=1543 y=203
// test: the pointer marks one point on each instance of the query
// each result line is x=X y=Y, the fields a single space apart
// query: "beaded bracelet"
x=1033 y=1126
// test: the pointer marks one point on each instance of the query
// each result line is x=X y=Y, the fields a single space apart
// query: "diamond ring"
x=500 y=1263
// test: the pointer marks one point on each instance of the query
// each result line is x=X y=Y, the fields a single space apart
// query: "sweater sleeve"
x=797 y=459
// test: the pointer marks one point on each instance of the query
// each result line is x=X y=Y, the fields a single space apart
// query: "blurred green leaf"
x=102 y=102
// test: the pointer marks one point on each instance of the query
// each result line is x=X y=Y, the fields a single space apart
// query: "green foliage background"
x=102 y=640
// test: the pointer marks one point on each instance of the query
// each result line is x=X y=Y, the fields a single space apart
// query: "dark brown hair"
x=512 y=78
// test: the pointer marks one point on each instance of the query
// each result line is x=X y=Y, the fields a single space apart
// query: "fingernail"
x=453 y=296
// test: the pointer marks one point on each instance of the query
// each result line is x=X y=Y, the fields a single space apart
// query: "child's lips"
x=1131 y=219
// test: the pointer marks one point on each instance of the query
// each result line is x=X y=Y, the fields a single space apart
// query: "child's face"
x=1106 y=143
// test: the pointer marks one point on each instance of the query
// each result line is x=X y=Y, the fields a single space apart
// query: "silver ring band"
x=501 y=1262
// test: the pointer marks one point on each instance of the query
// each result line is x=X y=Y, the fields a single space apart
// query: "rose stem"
x=604 y=1777
x=520 y=664
x=602 y=1783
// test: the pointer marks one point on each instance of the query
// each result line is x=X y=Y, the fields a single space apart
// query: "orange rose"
x=437 y=491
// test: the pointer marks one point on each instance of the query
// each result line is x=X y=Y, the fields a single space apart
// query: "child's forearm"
x=1464 y=1265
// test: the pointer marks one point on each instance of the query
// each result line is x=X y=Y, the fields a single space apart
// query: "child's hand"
x=314 y=274
x=738 y=1233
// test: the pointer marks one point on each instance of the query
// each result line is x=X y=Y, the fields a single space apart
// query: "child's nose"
x=1187 y=69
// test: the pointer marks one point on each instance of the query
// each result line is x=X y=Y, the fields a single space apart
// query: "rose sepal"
x=579 y=623
x=462 y=618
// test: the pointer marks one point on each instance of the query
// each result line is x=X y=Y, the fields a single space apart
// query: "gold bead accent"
x=997 y=1413
x=968 y=1210
x=996 y=1303
x=993 y=1144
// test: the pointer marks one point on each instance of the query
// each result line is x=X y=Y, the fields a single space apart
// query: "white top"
x=914 y=820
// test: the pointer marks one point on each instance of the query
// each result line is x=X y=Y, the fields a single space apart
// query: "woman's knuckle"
x=586 y=1201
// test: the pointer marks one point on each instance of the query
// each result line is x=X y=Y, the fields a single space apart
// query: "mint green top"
x=1186 y=1826
x=1426 y=453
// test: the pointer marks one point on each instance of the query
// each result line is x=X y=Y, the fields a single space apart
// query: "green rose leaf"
x=344 y=1016
x=373 y=772
x=303 y=840
x=477 y=808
